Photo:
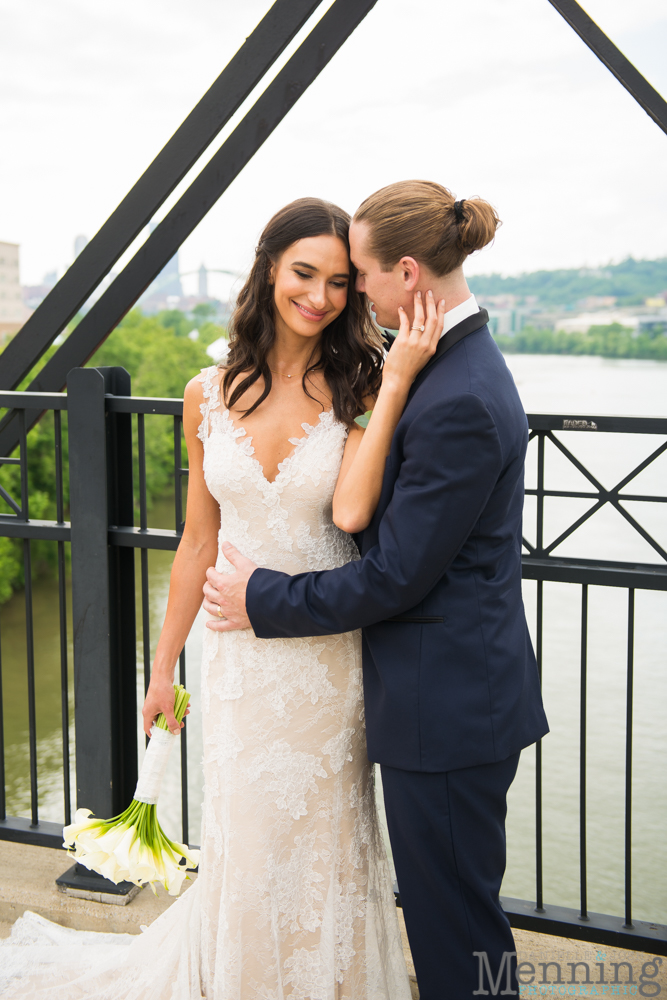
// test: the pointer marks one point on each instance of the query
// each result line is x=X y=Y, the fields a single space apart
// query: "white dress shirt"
x=459 y=313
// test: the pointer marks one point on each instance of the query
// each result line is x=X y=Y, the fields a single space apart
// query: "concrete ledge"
x=28 y=882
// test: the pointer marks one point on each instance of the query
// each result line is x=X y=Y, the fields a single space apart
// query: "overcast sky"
x=491 y=97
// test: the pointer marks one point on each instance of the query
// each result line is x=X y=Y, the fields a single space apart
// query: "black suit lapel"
x=471 y=324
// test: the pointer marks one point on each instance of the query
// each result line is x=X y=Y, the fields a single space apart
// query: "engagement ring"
x=417 y=329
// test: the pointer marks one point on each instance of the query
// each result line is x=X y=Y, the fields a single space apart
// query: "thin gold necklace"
x=285 y=375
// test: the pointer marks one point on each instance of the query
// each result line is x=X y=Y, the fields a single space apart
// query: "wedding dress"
x=294 y=897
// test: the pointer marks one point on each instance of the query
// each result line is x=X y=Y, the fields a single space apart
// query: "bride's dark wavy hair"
x=351 y=346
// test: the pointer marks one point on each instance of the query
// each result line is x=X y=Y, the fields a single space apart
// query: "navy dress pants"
x=447 y=834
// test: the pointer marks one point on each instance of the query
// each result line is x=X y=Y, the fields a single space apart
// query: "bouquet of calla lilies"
x=132 y=847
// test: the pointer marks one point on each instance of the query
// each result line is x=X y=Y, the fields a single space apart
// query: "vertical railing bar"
x=29 y=630
x=23 y=452
x=62 y=612
x=58 y=443
x=143 y=518
x=184 y=759
x=539 y=539
x=145 y=619
x=30 y=656
x=143 y=524
x=3 y=801
x=539 y=883
x=64 y=682
x=582 y=754
x=628 y=758
x=178 y=475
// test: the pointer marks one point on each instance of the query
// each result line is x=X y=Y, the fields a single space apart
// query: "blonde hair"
x=421 y=219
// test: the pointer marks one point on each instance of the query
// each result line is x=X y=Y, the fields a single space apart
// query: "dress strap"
x=211 y=391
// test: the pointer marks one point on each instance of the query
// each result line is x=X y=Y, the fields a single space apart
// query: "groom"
x=450 y=681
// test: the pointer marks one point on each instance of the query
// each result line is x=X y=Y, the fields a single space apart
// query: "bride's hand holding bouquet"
x=133 y=847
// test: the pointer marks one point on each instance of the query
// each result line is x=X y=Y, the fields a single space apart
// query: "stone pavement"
x=27 y=882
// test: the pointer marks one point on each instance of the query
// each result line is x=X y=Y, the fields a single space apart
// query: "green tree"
x=630 y=282
x=609 y=341
x=161 y=359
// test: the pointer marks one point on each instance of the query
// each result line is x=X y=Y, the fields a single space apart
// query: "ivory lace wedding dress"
x=294 y=897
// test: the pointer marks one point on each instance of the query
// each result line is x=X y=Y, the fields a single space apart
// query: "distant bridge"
x=203 y=273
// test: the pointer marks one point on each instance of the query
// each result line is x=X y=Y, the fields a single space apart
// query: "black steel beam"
x=281 y=95
x=640 y=576
x=122 y=608
x=146 y=404
x=144 y=538
x=592 y=425
x=94 y=677
x=239 y=78
x=625 y=72
x=21 y=831
x=51 y=531
x=598 y=928
x=47 y=400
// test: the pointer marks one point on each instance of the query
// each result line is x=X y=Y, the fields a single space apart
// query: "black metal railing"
x=541 y=563
x=104 y=536
x=19 y=525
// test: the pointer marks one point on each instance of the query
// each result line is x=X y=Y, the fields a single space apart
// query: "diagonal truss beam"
x=258 y=53
x=280 y=96
x=235 y=83
x=628 y=75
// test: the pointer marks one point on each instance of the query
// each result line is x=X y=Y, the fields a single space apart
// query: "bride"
x=294 y=897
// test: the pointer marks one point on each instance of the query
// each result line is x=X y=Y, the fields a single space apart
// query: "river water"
x=572 y=386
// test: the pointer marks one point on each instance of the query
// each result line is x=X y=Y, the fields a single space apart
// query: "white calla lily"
x=132 y=847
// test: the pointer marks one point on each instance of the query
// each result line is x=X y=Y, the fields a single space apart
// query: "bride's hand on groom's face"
x=416 y=341
x=224 y=593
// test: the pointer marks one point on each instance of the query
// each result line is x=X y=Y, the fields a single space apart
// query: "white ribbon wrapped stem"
x=154 y=766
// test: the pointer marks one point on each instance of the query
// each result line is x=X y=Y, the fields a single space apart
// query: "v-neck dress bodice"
x=285 y=524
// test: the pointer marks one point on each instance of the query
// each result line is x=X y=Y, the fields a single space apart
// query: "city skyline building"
x=80 y=242
x=167 y=285
x=13 y=313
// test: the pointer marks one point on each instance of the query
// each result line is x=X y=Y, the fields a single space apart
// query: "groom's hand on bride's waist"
x=224 y=593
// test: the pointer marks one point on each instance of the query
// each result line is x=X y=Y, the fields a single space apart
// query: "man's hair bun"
x=422 y=219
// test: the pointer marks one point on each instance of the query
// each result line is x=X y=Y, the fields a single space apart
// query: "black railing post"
x=629 y=698
x=102 y=594
x=121 y=581
x=539 y=841
x=583 y=751
x=93 y=674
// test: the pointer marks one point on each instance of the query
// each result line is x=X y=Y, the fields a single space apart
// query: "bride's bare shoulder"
x=198 y=389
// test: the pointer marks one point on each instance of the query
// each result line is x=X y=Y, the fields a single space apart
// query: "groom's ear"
x=410 y=273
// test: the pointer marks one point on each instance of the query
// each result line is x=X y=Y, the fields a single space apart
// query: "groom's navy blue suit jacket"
x=450 y=678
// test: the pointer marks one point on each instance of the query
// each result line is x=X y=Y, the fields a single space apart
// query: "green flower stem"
x=142 y=815
x=181 y=699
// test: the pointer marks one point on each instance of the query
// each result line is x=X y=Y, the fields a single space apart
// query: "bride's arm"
x=197 y=550
x=360 y=479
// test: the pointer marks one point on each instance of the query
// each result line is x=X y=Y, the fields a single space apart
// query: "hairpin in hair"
x=458 y=210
